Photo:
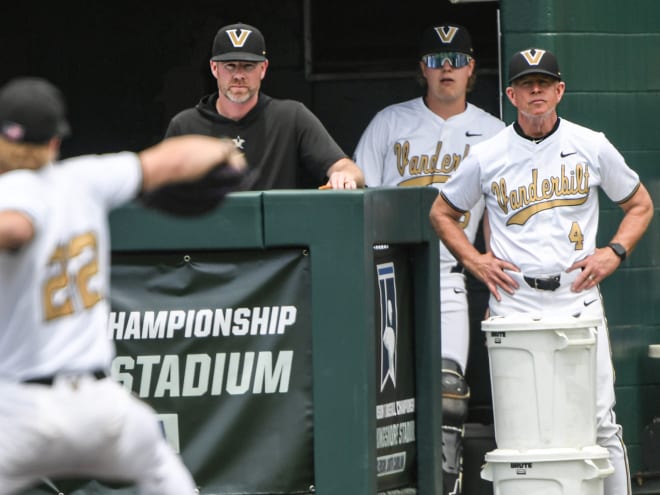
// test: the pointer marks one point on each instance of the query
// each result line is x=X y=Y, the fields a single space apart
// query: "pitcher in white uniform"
x=540 y=178
x=60 y=416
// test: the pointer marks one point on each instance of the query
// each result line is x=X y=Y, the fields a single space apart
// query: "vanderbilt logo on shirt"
x=540 y=195
x=426 y=169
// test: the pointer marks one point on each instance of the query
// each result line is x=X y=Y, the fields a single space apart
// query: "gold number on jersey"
x=464 y=220
x=63 y=283
x=576 y=237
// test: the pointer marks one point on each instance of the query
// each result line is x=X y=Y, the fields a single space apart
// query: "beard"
x=238 y=97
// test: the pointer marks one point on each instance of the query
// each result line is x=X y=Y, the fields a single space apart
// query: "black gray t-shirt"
x=282 y=139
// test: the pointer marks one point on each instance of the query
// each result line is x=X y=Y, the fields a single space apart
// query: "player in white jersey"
x=540 y=178
x=59 y=415
x=422 y=142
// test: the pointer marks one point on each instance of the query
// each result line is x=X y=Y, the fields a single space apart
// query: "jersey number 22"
x=59 y=287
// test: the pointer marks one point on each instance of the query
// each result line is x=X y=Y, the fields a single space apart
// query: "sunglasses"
x=455 y=59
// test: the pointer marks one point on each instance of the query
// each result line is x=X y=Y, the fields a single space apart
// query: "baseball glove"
x=200 y=196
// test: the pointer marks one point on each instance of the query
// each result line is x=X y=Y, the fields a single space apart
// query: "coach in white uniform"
x=540 y=178
x=59 y=414
x=422 y=142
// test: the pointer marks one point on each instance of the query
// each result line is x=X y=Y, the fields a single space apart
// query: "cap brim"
x=535 y=71
x=240 y=56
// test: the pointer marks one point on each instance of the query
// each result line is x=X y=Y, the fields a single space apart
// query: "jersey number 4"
x=60 y=288
x=576 y=237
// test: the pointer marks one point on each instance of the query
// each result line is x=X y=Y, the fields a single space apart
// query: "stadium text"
x=396 y=434
x=194 y=375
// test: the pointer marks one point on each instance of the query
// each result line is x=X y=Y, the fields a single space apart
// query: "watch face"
x=618 y=249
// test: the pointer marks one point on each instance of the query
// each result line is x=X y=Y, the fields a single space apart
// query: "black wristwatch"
x=618 y=249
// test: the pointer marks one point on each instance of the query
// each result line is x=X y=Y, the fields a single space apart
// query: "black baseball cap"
x=32 y=110
x=239 y=42
x=533 y=61
x=445 y=38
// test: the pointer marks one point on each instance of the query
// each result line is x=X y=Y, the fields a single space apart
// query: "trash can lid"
x=551 y=454
x=530 y=321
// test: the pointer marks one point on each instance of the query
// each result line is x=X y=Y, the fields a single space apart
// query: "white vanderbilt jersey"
x=542 y=198
x=53 y=309
x=406 y=144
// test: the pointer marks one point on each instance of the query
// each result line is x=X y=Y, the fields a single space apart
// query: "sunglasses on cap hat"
x=455 y=59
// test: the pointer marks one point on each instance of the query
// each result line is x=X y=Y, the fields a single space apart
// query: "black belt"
x=49 y=380
x=457 y=269
x=549 y=283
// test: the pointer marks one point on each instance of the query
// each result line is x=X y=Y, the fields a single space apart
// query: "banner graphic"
x=219 y=344
x=396 y=463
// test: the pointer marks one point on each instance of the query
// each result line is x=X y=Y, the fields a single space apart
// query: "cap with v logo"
x=239 y=42
x=533 y=61
x=445 y=38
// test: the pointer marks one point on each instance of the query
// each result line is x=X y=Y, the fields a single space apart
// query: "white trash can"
x=543 y=381
x=548 y=471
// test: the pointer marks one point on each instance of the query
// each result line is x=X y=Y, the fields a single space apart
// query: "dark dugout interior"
x=127 y=67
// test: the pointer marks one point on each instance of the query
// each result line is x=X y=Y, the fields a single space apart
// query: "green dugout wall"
x=340 y=229
x=608 y=54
